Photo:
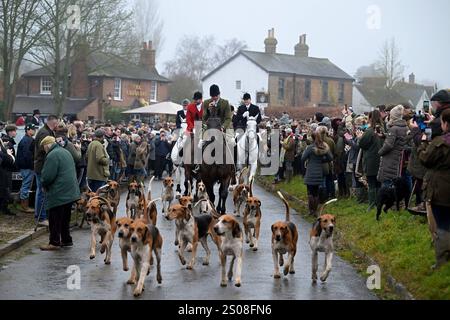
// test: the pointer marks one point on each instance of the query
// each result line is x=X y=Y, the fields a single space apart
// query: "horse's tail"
x=286 y=204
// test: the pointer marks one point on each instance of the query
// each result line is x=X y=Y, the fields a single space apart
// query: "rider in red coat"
x=194 y=112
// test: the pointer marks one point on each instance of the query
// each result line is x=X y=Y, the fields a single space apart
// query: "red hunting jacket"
x=193 y=115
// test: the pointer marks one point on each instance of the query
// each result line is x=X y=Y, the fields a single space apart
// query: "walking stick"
x=39 y=216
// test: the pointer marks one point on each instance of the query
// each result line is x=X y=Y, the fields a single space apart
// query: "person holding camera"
x=435 y=156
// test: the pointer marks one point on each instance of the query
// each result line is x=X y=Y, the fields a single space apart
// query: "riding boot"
x=442 y=248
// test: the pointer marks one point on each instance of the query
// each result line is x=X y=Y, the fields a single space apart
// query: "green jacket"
x=98 y=162
x=59 y=178
x=435 y=156
x=370 y=143
x=223 y=112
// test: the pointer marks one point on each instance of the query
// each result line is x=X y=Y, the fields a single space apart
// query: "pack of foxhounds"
x=196 y=220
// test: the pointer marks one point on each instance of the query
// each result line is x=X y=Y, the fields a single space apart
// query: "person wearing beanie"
x=319 y=117
x=59 y=180
x=392 y=151
x=439 y=102
x=98 y=162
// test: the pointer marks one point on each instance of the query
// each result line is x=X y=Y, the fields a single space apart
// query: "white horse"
x=247 y=147
x=177 y=160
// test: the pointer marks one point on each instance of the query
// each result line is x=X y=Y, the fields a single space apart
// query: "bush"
x=115 y=115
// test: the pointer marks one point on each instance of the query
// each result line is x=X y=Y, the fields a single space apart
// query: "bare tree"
x=103 y=24
x=18 y=33
x=227 y=50
x=389 y=64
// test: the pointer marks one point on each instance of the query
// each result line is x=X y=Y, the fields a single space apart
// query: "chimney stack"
x=302 y=49
x=271 y=42
x=79 y=82
x=412 y=78
x=148 y=57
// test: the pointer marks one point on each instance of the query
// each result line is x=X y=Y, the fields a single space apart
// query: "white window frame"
x=238 y=85
x=46 y=85
x=117 y=89
x=154 y=91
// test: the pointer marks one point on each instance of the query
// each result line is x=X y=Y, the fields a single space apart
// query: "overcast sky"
x=340 y=30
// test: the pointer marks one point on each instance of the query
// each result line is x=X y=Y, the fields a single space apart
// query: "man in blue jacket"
x=25 y=163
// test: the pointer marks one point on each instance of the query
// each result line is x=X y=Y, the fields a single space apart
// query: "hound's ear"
x=259 y=203
x=272 y=228
x=146 y=232
x=236 y=230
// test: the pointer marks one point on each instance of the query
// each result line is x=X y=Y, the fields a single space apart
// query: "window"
x=324 y=91
x=46 y=85
x=238 y=85
x=341 y=92
x=154 y=92
x=308 y=90
x=281 y=89
x=117 y=89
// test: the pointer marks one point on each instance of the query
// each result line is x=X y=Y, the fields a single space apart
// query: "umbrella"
x=167 y=108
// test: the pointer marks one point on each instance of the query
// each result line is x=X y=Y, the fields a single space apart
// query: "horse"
x=221 y=172
x=247 y=145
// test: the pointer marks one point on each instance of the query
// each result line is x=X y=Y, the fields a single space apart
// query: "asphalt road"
x=29 y=273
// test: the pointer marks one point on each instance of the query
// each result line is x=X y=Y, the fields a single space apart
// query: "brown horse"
x=221 y=172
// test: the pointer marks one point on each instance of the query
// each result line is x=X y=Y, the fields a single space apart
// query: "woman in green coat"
x=370 y=142
x=59 y=180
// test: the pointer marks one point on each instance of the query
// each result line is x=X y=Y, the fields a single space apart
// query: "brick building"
x=282 y=80
x=97 y=81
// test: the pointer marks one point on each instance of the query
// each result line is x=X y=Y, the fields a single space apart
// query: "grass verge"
x=400 y=244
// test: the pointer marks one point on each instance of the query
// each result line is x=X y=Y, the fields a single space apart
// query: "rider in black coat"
x=244 y=111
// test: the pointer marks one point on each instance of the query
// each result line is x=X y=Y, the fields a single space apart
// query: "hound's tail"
x=287 y=206
x=326 y=204
x=149 y=191
x=251 y=187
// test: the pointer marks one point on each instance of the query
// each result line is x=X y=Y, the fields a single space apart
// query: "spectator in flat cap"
x=439 y=102
x=98 y=162
x=59 y=180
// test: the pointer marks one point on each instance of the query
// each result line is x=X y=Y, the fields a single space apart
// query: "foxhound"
x=167 y=194
x=200 y=195
x=252 y=219
x=103 y=223
x=191 y=230
x=135 y=204
x=81 y=205
x=111 y=192
x=231 y=244
x=321 y=240
x=145 y=239
x=284 y=240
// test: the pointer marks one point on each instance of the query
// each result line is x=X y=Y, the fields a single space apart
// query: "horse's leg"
x=224 y=194
x=210 y=191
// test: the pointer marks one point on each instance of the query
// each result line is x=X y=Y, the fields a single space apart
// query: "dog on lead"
x=103 y=222
x=392 y=194
x=111 y=192
x=145 y=240
x=252 y=219
x=192 y=230
x=231 y=244
x=167 y=195
x=321 y=240
x=284 y=240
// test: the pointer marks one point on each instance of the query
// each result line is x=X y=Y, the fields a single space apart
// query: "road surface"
x=29 y=273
